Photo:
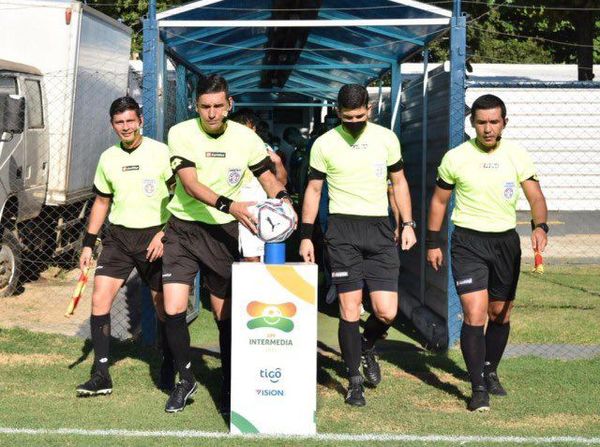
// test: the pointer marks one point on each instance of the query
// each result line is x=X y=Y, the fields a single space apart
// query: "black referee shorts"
x=190 y=245
x=486 y=261
x=362 y=250
x=124 y=249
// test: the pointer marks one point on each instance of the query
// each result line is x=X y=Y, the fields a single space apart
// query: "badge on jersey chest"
x=149 y=186
x=234 y=175
x=509 y=190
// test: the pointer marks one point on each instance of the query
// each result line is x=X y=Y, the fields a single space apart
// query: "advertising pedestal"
x=274 y=348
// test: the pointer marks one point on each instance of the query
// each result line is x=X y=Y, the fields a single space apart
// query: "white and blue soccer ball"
x=276 y=220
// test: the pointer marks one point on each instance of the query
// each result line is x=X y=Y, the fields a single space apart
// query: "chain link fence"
x=54 y=127
x=558 y=123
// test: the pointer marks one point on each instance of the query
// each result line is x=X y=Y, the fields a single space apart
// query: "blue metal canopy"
x=297 y=50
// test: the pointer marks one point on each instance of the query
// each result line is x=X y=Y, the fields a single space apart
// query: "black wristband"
x=89 y=240
x=306 y=230
x=223 y=204
x=432 y=239
x=283 y=194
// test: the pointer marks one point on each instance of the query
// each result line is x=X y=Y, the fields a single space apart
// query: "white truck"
x=62 y=63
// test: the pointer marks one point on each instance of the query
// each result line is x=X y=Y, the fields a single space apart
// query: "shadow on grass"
x=208 y=377
x=410 y=357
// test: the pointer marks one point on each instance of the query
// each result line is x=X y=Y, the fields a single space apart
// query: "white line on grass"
x=318 y=437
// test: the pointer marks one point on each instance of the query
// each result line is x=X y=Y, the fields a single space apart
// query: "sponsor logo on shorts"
x=234 y=176
x=339 y=274
x=215 y=154
x=149 y=187
x=130 y=168
x=462 y=282
x=99 y=267
x=167 y=275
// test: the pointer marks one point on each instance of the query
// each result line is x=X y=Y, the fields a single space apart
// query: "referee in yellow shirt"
x=211 y=156
x=131 y=189
x=356 y=158
x=485 y=173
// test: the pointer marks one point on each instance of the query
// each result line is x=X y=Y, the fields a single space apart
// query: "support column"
x=458 y=39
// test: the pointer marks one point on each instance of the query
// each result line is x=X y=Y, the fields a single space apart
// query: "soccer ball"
x=276 y=220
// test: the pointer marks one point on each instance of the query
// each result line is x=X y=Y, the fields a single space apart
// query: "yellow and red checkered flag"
x=79 y=288
x=538 y=263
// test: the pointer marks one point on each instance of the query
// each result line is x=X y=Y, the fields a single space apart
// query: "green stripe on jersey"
x=356 y=169
x=486 y=184
x=221 y=164
x=137 y=182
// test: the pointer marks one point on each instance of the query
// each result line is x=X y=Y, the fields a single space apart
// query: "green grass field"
x=422 y=393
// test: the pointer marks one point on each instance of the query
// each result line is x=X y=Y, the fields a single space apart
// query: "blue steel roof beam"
x=339 y=65
x=295 y=76
x=327 y=61
x=343 y=47
x=243 y=82
x=316 y=94
x=239 y=46
x=391 y=32
x=298 y=90
x=242 y=63
x=325 y=75
x=207 y=32
x=233 y=75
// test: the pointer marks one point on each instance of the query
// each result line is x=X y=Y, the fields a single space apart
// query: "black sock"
x=225 y=347
x=100 y=328
x=164 y=342
x=496 y=338
x=350 y=345
x=374 y=330
x=178 y=337
x=472 y=344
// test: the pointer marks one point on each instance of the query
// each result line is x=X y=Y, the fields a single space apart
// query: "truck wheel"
x=11 y=262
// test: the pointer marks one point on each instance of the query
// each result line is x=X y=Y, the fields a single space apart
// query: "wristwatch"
x=543 y=226
x=410 y=223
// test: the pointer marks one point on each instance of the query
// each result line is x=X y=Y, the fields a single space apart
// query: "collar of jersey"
x=131 y=149
x=347 y=137
x=474 y=144
x=212 y=136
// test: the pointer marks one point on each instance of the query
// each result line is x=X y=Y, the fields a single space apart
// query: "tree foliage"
x=131 y=13
x=531 y=31
x=498 y=31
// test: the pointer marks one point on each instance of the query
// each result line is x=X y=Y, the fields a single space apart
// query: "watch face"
x=543 y=226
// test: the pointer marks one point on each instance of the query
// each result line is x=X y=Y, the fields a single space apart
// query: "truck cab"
x=24 y=160
x=23 y=155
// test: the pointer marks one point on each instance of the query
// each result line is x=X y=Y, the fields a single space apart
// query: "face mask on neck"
x=354 y=127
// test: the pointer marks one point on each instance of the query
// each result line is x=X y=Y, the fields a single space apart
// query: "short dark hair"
x=213 y=83
x=244 y=116
x=487 y=102
x=353 y=96
x=123 y=104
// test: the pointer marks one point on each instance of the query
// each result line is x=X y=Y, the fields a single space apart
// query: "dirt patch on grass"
x=42 y=305
x=31 y=359
x=553 y=421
